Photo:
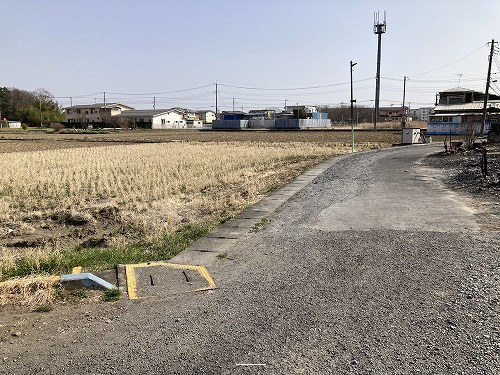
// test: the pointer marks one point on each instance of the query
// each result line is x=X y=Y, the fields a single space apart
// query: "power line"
x=454 y=62
x=162 y=93
x=292 y=88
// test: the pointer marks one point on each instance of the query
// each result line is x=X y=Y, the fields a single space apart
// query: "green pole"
x=352 y=130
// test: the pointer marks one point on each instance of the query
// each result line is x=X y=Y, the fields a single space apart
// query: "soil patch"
x=463 y=174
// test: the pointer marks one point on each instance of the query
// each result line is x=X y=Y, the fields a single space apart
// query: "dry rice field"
x=58 y=191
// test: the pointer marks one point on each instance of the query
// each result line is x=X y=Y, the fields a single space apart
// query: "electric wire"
x=447 y=65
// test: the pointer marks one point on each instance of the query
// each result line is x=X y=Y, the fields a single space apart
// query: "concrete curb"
x=204 y=251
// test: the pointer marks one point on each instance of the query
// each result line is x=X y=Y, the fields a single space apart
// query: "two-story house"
x=89 y=114
x=459 y=108
x=393 y=114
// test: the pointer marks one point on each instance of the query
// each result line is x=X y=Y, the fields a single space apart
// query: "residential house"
x=460 y=108
x=191 y=117
x=308 y=109
x=393 y=114
x=156 y=118
x=234 y=115
x=269 y=119
x=91 y=114
x=206 y=116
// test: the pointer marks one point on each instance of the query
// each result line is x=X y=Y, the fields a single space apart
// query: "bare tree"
x=469 y=135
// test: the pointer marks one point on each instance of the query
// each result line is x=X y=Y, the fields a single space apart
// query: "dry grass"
x=384 y=125
x=150 y=183
x=29 y=291
x=26 y=140
x=149 y=189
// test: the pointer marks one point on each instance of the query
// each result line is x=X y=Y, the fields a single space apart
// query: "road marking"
x=250 y=364
x=132 y=278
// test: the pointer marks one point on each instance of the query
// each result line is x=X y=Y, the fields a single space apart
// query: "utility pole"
x=40 y=111
x=233 y=106
x=488 y=80
x=352 y=108
x=379 y=29
x=154 y=102
x=285 y=105
x=404 y=95
x=216 y=106
x=104 y=117
x=71 y=101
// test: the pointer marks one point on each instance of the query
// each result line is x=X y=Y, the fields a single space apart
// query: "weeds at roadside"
x=272 y=189
x=44 y=308
x=225 y=218
x=81 y=293
x=259 y=226
x=111 y=295
x=97 y=258
x=221 y=256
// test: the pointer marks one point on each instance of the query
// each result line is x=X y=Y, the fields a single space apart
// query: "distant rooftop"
x=145 y=112
x=98 y=105
x=460 y=89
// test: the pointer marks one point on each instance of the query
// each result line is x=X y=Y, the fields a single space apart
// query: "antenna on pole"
x=379 y=28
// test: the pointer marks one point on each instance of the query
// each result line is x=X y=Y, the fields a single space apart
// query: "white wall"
x=169 y=120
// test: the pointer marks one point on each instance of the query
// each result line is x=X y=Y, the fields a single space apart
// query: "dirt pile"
x=464 y=173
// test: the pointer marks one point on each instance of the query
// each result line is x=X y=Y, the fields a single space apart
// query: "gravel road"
x=374 y=267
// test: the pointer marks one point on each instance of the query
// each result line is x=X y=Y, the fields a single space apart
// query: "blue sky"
x=260 y=52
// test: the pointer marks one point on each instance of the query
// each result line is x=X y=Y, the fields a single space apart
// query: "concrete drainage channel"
x=188 y=271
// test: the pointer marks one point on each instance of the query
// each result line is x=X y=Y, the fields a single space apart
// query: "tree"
x=32 y=108
x=342 y=113
x=120 y=122
x=299 y=113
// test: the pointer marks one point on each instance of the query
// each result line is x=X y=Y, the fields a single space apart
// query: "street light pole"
x=352 y=108
x=404 y=96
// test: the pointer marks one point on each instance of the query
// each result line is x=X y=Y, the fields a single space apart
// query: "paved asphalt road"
x=374 y=267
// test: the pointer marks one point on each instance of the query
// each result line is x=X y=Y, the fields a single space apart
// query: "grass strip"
x=99 y=258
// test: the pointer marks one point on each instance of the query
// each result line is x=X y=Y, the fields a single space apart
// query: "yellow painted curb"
x=132 y=279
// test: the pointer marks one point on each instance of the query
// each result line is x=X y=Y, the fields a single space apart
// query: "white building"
x=156 y=118
x=422 y=114
x=307 y=108
x=206 y=116
x=10 y=124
